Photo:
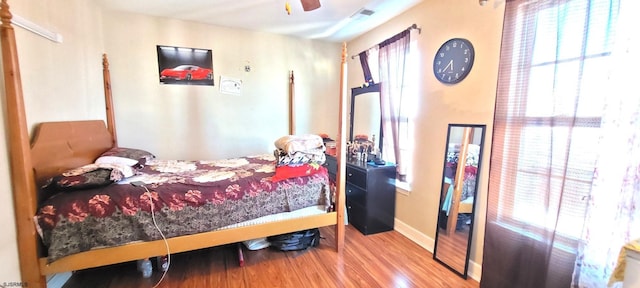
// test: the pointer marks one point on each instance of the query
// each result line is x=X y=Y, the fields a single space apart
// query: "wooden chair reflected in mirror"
x=458 y=192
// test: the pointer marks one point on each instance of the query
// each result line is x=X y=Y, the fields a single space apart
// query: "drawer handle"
x=349 y=174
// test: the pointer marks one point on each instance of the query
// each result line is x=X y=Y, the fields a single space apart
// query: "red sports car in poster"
x=186 y=72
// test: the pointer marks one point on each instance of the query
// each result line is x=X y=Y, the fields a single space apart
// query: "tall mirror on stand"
x=462 y=159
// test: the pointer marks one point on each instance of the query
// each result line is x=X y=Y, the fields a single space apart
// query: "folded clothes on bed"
x=295 y=143
x=316 y=156
x=286 y=172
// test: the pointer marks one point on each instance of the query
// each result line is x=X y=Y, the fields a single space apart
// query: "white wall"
x=8 y=244
x=199 y=122
x=59 y=83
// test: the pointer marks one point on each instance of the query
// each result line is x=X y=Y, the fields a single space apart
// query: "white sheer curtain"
x=613 y=212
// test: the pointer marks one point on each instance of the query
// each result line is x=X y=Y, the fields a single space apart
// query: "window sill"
x=563 y=242
x=403 y=187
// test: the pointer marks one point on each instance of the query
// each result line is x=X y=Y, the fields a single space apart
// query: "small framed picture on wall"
x=186 y=66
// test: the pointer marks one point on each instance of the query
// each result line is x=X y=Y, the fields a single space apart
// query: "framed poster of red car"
x=186 y=66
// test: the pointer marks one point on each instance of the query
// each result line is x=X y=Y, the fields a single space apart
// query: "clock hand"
x=448 y=65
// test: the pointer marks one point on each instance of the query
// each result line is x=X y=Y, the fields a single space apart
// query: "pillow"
x=88 y=176
x=116 y=160
x=286 y=172
x=135 y=154
x=92 y=179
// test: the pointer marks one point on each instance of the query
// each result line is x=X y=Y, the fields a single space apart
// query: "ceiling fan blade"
x=308 y=5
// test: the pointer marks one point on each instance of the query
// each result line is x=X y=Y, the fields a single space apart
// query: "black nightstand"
x=371 y=194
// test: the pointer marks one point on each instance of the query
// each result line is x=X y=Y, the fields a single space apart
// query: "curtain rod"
x=414 y=26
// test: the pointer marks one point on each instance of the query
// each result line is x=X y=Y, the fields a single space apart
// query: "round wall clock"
x=453 y=61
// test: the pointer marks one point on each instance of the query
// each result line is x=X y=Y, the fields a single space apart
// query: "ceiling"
x=335 y=20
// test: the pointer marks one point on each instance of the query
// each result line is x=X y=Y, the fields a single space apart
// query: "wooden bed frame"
x=82 y=142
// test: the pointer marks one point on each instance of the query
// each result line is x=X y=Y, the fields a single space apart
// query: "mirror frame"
x=372 y=88
x=462 y=273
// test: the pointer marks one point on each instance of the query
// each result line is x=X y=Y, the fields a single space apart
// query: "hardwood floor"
x=380 y=260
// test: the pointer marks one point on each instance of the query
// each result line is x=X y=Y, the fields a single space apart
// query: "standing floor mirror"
x=462 y=159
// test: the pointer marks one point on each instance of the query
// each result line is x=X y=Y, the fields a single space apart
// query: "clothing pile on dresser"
x=298 y=155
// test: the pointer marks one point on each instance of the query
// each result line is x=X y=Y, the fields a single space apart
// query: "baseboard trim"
x=414 y=235
x=475 y=271
x=426 y=242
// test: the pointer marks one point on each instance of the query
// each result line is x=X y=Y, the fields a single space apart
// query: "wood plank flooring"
x=380 y=260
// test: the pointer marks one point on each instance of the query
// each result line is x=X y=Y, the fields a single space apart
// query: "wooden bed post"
x=292 y=105
x=341 y=153
x=458 y=182
x=22 y=177
x=106 y=76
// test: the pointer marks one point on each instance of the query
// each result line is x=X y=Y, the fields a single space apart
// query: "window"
x=406 y=92
x=548 y=112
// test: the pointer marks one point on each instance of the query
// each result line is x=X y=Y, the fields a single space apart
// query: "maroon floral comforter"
x=187 y=197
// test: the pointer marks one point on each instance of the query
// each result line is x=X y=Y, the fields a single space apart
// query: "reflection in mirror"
x=366 y=119
x=457 y=196
x=366 y=113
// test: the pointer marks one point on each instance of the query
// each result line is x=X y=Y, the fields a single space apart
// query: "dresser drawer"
x=355 y=194
x=370 y=197
x=356 y=177
x=357 y=216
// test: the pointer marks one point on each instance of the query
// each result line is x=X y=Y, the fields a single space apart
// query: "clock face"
x=453 y=61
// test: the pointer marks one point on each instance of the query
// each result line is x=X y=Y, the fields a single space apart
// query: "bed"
x=87 y=210
x=459 y=199
x=60 y=146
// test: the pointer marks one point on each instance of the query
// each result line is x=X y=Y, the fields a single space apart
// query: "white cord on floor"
x=153 y=217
